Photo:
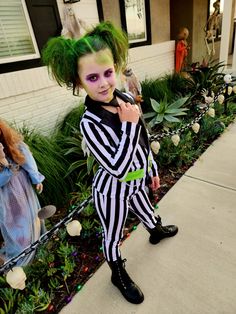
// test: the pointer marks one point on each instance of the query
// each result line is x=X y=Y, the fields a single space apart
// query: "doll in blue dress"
x=19 y=205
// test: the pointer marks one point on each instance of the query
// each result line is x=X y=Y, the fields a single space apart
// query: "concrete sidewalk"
x=194 y=272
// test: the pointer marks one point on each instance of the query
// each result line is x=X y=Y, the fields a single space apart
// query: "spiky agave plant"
x=164 y=112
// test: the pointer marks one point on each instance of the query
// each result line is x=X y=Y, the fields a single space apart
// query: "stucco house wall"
x=30 y=97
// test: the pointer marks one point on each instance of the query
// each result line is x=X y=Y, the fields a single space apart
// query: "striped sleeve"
x=154 y=169
x=115 y=161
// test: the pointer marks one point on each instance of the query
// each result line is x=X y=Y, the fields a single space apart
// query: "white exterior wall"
x=152 y=61
x=30 y=97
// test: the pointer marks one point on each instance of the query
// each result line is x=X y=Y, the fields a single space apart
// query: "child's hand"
x=155 y=184
x=39 y=188
x=128 y=112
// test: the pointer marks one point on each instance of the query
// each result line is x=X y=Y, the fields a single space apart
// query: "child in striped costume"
x=116 y=136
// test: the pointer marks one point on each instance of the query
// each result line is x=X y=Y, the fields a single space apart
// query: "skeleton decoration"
x=213 y=26
x=72 y=26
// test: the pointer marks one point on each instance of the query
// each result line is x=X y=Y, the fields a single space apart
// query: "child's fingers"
x=128 y=112
x=39 y=188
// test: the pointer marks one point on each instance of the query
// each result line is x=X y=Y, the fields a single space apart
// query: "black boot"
x=124 y=283
x=160 y=232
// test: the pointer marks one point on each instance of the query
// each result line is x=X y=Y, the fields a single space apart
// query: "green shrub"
x=70 y=122
x=52 y=164
x=172 y=86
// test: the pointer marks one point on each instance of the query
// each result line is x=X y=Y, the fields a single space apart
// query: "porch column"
x=234 y=52
x=226 y=23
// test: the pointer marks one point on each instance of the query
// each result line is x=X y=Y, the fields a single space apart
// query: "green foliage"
x=177 y=156
x=88 y=211
x=88 y=217
x=75 y=152
x=68 y=136
x=210 y=130
x=191 y=145
x=156 y=89
x=171 y=86
x=39 y=298
x=71 y=121
x=82 y=167
x=82 y=192
x=209 y=78
x=166 y=112
x=26 y=307
x=52 y=164
x=65 y=253
x=177 y=84
x=9 y=299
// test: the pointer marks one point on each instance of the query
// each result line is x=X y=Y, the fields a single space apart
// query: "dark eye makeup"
x=93 y=77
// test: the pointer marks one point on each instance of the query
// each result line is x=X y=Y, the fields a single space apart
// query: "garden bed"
x=64 y=263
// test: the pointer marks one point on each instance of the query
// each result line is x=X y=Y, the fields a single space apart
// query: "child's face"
x=97 y=75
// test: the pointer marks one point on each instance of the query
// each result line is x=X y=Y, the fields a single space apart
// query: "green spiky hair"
x=61 y=58
x=115 y=39
x=61 y=55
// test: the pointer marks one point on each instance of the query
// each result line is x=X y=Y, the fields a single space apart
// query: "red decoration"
x=50 y=307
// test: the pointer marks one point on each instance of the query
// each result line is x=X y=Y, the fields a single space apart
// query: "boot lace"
x=124 y=277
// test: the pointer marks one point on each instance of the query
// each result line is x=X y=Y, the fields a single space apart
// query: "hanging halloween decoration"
x=221 y=99
x=155 y=146
x=16 y=278
x=74 y=228
x=211 y=112
x=196 y=127
x=213 y=27
x=72 y=26
x=181 y=50
x=132 y=85
x=227 y=78
x=175 y=139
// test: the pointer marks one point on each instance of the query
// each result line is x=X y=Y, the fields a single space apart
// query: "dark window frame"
x=34 y=63
x=148 y=41
x=100 y=10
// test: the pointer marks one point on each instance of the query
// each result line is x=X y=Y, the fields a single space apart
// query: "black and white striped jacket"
x=119 y=148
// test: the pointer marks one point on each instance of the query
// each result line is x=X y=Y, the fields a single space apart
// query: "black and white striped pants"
x=113 y=212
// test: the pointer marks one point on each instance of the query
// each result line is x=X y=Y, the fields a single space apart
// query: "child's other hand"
x=128 y=112
x=39 y=188
x=155 y=183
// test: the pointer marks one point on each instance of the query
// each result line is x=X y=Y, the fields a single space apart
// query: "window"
x=28 y=24
x=16 y=37
x=135 y=19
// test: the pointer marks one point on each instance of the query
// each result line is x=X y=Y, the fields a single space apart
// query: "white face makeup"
x=97 y=75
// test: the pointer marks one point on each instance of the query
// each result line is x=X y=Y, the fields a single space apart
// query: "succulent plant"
x=166 y=112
